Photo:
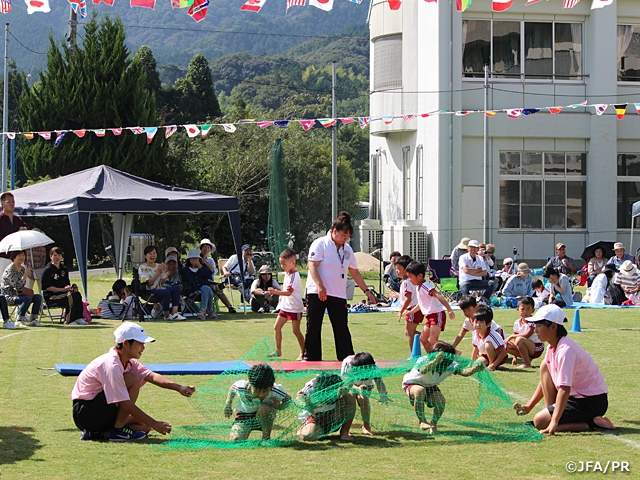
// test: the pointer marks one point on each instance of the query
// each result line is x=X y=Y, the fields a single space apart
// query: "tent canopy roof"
x=104 y=189
x=635 y=210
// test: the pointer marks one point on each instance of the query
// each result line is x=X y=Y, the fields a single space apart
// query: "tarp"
x=104 y=189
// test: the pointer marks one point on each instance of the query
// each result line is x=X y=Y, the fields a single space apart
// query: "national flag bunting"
x=265 y=124
x=5 y=6
x=578 y=105
x=600 y=4
x=80 y=133
x=59 y=137
x=490 y=113
x=600 y=108
x=45 y=135
x=347 y=120
x=388 y=119
x=253 y=5
x=108 y=2
x=570 y=3
x=637 y=105
x=198 y=10
x=229 y=127
x=294 y=3
x=501 y=5
x=80 y=7
x=462 y=113
x=281 y=123
x=307 y=124
x=143 y=3
x=395 y=4
x=621 y=109
x=29 y=135
x=364 y=121
x=135 y=130
x=462 y=5
x=408 y=118
x=192 y=130
x=205 y=129
x=327 y=122
x=530 y=111
x=424 y=115
x=246 y=120
x=325 y=5
x=37 y=6
x=180 y=3
x=117 y=131
x=151 y=132
x=11 y=135
x=531 y=2
x=100 y=132
x=170 y=130
x=554 y=110
x=514 y=113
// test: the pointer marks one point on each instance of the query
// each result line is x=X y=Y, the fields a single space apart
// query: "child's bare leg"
x=424 y=338
x=308 y=432
x=418 y=395
x=437 y=399
x=295 y=326
x=512 y=349
x=491 y=352
x=266 y=415
x=239 y=431
x=365 y=409
x=345 y=411
x=277 y=333
x=526 y=349
x=549 y=390
x=434 y=334
x=410 y=332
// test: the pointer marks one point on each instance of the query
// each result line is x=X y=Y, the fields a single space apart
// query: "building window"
x=628 y=53
x=628 y=186
x=518 y=50
x=543 y=190
x=387 y=62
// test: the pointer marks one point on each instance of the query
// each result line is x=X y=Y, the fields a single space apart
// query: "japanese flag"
x=325 y=5
x=600 y=4
x=501 y=5
x=37 y=6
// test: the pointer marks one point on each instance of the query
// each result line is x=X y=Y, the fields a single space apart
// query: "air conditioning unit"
x=367 y=236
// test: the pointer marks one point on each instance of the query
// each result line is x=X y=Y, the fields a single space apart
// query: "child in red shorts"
x=409 y=299
x=524 y=342
x=488 y=345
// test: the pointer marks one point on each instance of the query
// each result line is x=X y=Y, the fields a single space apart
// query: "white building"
x=569 y=177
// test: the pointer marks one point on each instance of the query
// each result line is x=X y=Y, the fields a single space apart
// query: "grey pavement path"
x=95 y=271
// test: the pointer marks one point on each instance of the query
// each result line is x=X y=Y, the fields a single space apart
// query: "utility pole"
x=73 y=28
x=487 y=177
x=5 y=108
x=334 y=147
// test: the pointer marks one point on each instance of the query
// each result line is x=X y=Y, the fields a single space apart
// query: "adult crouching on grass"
x=106 y=391
x=330 y=261
x=58 y=291
x=571 y=384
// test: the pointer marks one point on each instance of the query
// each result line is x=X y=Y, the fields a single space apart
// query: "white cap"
x=131 y=331
x=474 y=243
x=551 y=313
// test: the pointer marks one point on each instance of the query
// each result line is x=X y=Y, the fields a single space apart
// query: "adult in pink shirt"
x=571 y=384
x=105 y=394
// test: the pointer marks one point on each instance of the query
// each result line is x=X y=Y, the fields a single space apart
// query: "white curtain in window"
x=576 y=38
x=625 y=35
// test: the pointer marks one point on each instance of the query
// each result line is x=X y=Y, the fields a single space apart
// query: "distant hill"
x=174 y=37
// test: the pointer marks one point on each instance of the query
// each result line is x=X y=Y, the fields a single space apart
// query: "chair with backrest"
x=141 y=292
x=440 y=273
x=231 y=286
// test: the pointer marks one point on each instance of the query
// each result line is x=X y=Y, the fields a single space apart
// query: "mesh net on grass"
x=472 y=408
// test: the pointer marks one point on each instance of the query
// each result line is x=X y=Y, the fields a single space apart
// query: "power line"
x=24 y=46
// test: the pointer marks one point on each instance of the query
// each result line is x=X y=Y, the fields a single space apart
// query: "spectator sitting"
x=15 y=293
x=458 y=251
x=620 y=257
x=629 y=280
x=560 y=292
x=491 y=251
x=261 y=300
x=153 y=274
x=596 y=265
x=472 y=268
x=58 y=291
x=118 y=288
x=9 y=223
x=561 y=263
x=207 y=249
x=172 y=251
x=231 y=270
x=482 y=249
x=600 y=285
x=390 y=274
x=196 y=278
x=519 y=285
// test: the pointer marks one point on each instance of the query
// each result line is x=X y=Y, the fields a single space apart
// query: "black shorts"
x=583 y=409
x=95 y=415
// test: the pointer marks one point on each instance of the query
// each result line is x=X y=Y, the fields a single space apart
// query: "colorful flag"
x=346 y=120
x=205 y=129
x=395 y=4
x=143 y=3
x=462 y=113
x=45 y=135
x=578 y=105
x=281 y=123
x=108 y=2
x=307 y=124
x=5 y=6
x=37 y=6
x=59 y=137
x=294 y=3
x=501 y=5
x=135 y=130
x=424 y=115
x=325 y=5
x=408 y=118
x=116 y=131
x=180 y=3
x=29 y=135
x=530 y=111
x=198 y=10
x=170 y=130
x=531 y=2
x=490 y=113
x=600 y=108
x=80 y=133
x=11 y=135
x=192 y=130
x=327 y=122
x=229 y=127
x=364 y=121
x=100 y=132
x=253 y=5
x=514 y=113
x=264 y=124
x=621 y=109
x=80 y=7
x=388 y=119
x=554 y=110
x=246 y=120
x=151 y=131
x=637 y=105
x=600 y=4
x=462 y=5
x=570 y=3
x=360 y=1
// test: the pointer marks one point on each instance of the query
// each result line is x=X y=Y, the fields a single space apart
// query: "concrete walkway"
x=92 y=272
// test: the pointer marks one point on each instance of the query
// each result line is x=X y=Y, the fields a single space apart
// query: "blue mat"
x=590 y=305
x=204 y=368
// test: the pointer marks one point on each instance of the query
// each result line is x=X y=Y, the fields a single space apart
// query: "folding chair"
x=47 y=307
x=440 y=272
x=141 y=293
x=188 y=305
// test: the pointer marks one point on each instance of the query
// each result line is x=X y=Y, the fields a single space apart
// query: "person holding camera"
x=231 y=270
x=15 y=293
x=58 y=291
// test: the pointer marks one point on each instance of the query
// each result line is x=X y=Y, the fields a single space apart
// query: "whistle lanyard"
x=341 y=260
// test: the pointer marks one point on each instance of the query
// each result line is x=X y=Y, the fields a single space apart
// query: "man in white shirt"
x=472 y=268
x=231 y=270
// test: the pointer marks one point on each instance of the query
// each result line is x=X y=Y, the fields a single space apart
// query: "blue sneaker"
x=125 y=434
x=86 y=435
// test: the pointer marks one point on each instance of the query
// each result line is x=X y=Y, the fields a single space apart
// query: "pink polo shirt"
x=106 y=373
x=571 y=366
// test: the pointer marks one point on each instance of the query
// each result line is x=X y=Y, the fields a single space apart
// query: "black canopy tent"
x=104 y=189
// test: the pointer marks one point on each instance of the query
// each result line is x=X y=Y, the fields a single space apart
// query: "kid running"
x=524 y=343
x=408 y=299
x=488 y=346
x=468 y=305
x=431 y=303
x=290 y=304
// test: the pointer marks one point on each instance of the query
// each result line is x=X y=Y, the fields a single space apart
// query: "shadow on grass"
x=16 y=444
x=620 y=431
x=519 y=370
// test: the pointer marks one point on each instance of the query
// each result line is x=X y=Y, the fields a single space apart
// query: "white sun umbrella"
x=24 y=240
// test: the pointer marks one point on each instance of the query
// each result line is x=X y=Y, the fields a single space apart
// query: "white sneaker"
x=80 y=321
x=176 y=316
x=9 y=325
x=261 y=310
x=21 y=319
x=18 y=324
x=35 y=323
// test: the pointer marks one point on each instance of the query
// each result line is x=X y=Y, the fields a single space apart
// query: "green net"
x=278 y=225
x=470 y=404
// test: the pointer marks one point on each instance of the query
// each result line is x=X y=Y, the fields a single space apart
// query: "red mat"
x=293 y=366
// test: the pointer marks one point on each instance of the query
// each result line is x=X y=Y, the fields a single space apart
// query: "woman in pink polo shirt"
x=571 y=384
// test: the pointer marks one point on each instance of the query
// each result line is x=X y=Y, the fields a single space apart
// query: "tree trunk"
x=107 y=237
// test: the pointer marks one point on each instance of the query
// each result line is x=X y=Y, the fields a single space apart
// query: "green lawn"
x=39 y=440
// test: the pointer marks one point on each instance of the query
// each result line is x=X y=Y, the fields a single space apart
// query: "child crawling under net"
x=258 y=400
x=421 y=383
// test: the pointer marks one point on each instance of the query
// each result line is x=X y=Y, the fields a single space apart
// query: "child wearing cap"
x=195 y=278
x=290 y=306
x=573 y=389
x=259 y=398
x=105 y=393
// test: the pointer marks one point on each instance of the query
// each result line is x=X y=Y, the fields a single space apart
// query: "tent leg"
x=633 y=221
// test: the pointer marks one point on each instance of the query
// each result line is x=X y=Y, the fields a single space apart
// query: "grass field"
x=38 y=439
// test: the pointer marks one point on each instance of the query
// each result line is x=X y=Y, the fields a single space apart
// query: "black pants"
x=337 y=309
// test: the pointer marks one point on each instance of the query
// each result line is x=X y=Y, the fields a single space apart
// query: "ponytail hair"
x=343 y=223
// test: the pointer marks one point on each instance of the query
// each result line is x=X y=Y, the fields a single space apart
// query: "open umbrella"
x=24 y=240
x=589 y=251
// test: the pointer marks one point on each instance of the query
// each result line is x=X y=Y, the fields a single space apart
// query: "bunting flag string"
x=193 y=130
